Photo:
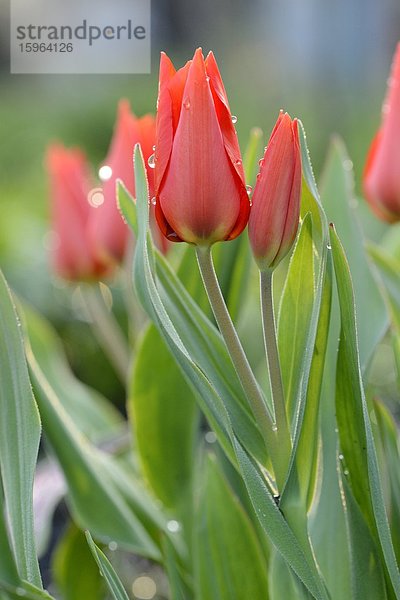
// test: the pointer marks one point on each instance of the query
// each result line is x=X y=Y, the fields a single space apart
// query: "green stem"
x=107 y=330
x=271 y=348
x=236 y=352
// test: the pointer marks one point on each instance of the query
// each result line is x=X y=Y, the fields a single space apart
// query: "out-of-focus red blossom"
x=107 y=228
x=382 y=169
x=274 y=217
x=200 y=189
x=74 y=256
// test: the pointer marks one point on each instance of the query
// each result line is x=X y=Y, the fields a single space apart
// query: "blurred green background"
x=326 y=62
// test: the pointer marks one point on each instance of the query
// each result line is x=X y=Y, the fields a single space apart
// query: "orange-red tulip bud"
x=107 y=228
x=74 y=255
x=274 y=216
x=382 y=169
x=200 y=190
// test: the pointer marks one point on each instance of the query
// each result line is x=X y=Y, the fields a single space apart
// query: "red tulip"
x=74 y=255
x=274 y=216
x=382 y=169
x=107 y=228
x=200 y=189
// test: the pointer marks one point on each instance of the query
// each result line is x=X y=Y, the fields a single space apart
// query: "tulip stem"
x=239 y=358
x=275 y=375
x=107 y=330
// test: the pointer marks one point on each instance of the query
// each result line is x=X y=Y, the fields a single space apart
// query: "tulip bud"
x=381 y=173
x=107 y=228
x=74 y=255
x=274 y=216
x=200 y=189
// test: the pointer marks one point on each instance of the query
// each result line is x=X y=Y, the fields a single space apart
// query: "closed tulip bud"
x=108 y=229
x=382 y=169
x=74 y=256
x=275 y=210
x=200 y=190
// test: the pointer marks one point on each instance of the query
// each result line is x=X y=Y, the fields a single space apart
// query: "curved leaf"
x=229 y=564
x=355 y=433
x=19 y=439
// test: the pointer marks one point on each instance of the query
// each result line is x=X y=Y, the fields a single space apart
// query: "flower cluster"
x=90 y=236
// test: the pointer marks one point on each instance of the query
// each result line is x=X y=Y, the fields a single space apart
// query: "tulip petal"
x=74 y=256
x=224 y=115
x=164 y=129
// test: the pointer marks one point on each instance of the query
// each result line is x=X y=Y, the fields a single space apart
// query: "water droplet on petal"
x=234 y=119
x=186 y=104
x=249 y=189
x=153 y=201
x=152 y=161
x=154 y=148
x=105 y=173
x=261 y=162
x=173 y=526
x=238 y=162
x=172 y=235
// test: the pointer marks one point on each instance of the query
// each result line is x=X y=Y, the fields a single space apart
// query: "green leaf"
x=164 y=418
x=276 y=527
x=366 y=571
x=126 y=206
x=327 y=517
x=97 y=418
x=355 y=434
x=95 y=495
x=8 y=569
x=306 y=362
x=19 y=439
x=390 y=443
x=388 y=268
x=74 y=570
x=300 y=485
x=179 y=588
x=106 y=569
x=229 y=563
x=295 y=313
x=281 y=582
x=23 y=590
x=337 y=194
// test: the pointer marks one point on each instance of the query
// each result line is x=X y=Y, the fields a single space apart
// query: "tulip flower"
x=274 y=216
x=74 y=255
x=107 y=228
x=200 y=190
x=381 y=173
